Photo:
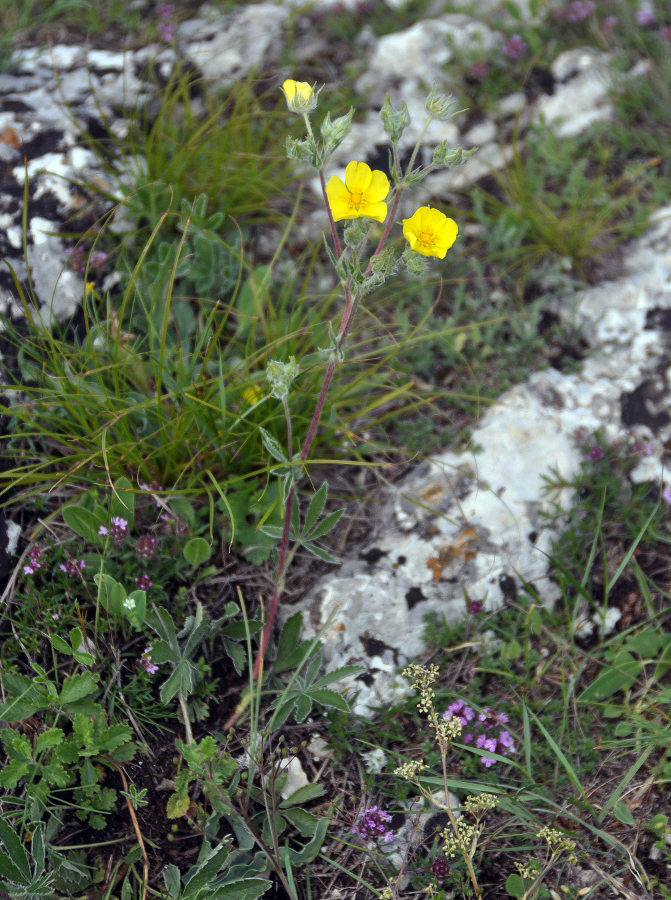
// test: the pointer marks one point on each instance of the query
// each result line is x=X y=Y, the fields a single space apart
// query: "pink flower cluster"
x=146 y=546
x=72 y=566
x=33 y=563
x=576 y=11
x=482 y=730
x=373 y=824
x=143 y=582
x=515 y=47
x=117 y=530
x=145 y=661
x=166 y=26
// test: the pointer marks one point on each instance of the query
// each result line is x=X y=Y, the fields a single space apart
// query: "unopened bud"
x=450 y=157
x=334 y=131
x=394 y=121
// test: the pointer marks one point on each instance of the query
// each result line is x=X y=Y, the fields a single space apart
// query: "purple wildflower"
x=645 y=15
x=145 y=661
x=72 y=566
x=440 y=869
x=167 y=31
x=146 y=546
x=165 y=10
x=143 y=582
x=608 y=24
x=596 y=452
x=478 y=70
x=489 y=718
x=577 y=11
x=33 y=563
x=373 y=825
x=475 y=607
x=515 y=47
x=459 y=710
x=666 y=495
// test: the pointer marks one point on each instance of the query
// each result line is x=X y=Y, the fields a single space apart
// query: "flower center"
x=356 y=200
x=425 y=238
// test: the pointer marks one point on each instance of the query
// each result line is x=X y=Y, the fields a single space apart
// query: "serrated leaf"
x=206 y=870
x=288 y=641
x=316 y=507
x=272 y=445
x=304 y=795
x=56 y=774
x=114 y=737
x=303 y=705
x=178 y=805
x=77 y=686
x=50 y=738
x=13 y=772
x=328 y=523
x=327 y=697
x=197 y=551
x=336 y=675
x=282 y=713
x=15 y=849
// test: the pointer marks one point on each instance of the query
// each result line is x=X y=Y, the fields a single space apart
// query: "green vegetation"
x=152 y=448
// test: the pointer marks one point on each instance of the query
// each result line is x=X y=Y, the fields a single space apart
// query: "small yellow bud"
x=300 y=96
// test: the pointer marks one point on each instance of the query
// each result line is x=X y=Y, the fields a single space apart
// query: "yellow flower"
x=252 y=394
x=362 y=194
x=300 y=96
x=430 y=232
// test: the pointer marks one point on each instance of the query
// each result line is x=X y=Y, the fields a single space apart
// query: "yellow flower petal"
x=300 y=96
x=378 y=188
x=357 y=177
x=377 y=211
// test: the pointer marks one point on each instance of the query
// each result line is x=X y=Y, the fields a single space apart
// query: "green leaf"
x=114 y=737
x=620 y=674
x=647 y=643
x=171 y=880
x=302 y=820
x=60 y=645
x=321 y=553
x=311 y=850
x=55 y=774
x=122 y=502
x=84 y=659
x=664 y=663
x=304 y=795
x=77 y=686
x=178 y=805
x=515 y=885
x=272 y=445
x=622 y=813
x=336 y=674
x=112 y=594
x=15 y=849
x=236 y=653
x=287 y=643
x=315 y=508
x=197 y=551
x=303 y=705
x=13 y=772
x=84 y=523
x=50 y=738
x=10 y=871
x=242 y=889
x=327 y=697
x=206 y=870
x=184 y=678
x=327 y=524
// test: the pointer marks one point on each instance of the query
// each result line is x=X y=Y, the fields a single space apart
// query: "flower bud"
x=441 y=106
x=445 y=157
x=281 y=375
x=304 y=151
x=300 y=96
x=394 y=121
x=355 y=232
x=334 y=132
x=414 y=262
